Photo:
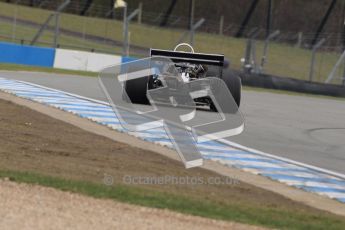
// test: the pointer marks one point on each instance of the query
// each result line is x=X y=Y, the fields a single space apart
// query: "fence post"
x=125 y=31
x=299 y=39
x=247 y=65
x=140 y=14
x=335 y=67
x=312 y=64
x=247 y=56
x=57 y=21
x=194 y=28
x=84 y=29
x=264 y=55
x=343 y=80
x=56 y=37
x=253 y=53
x=221 y=25
x=14 y=26
x=126 y=25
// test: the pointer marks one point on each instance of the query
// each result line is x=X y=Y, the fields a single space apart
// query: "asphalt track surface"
x=310 y=130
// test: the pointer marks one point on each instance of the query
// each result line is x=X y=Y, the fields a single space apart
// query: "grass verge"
x=269 y=217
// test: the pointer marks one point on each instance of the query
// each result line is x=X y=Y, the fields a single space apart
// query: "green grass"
x=270 y=217
x=283 y=60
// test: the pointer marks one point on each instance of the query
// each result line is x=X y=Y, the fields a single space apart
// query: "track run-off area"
x=303 y=135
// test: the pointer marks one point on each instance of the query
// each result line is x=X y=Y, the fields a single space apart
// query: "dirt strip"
x=151 y=165
x=29 y=207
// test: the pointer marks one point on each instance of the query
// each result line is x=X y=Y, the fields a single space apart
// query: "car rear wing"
x=195 y=58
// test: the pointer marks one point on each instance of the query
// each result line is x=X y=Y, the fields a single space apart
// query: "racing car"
x=191 y=66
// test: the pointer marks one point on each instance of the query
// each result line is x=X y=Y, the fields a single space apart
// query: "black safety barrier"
x=285 y=83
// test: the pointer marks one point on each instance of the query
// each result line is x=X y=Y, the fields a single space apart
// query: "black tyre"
x=235 y=86
x=136 y=90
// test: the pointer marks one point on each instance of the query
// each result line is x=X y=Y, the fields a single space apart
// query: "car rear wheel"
x=233 y=82
x=136 y=90
x=235 y=86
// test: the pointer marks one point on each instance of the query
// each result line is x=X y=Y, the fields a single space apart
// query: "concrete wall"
x=85 y=61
